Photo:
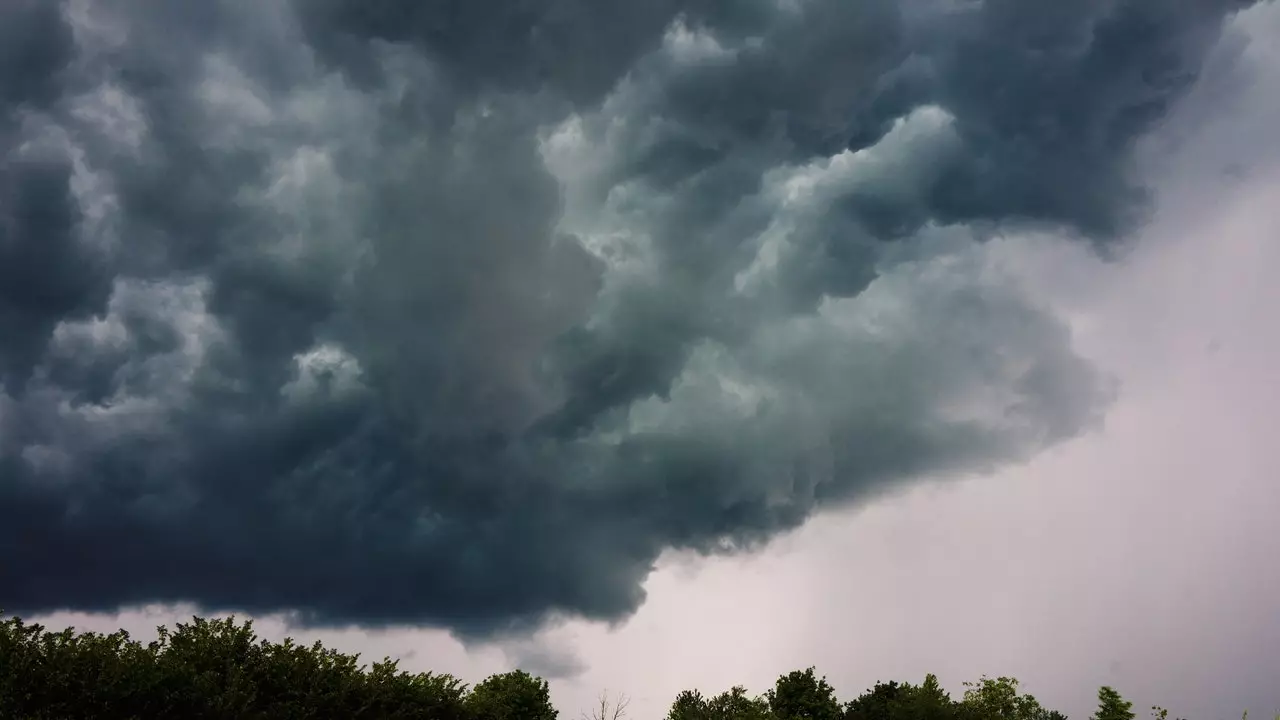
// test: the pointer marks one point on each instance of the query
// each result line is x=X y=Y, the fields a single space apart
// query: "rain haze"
x=653 y=346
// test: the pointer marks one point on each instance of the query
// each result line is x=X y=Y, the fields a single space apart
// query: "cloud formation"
x=462 y=313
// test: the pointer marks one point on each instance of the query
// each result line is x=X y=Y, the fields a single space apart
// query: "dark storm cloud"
x=462 y=313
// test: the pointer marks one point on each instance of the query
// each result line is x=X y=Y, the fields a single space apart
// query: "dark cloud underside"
x=463 y=312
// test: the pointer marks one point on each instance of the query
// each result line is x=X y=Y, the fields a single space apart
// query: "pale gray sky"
x=1142 y=555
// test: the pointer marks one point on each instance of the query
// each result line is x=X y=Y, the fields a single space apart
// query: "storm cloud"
x=462 y=313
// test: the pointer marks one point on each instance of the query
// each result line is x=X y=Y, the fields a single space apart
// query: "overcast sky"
x=1135 y=547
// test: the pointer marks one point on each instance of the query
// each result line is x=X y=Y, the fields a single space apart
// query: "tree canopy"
x=221 y=669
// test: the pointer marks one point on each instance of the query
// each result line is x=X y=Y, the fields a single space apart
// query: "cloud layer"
x=462 y=313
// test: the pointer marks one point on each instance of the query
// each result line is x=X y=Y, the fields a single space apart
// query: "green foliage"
x=514 y=695
x=894 y=701
x=999 y=699
x=1160 y=713
x=736 y=704
x=802 y=695
x=206 y=669
x=1111 y=706
x=221 y=670
x=689 y=705
x=733 y=704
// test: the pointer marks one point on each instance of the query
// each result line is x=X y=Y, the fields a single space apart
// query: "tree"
x=515 y=695
x=689 y=705
x=999 y=699
x=930 y=701
x=879 y=703
x=802 y=695
x=221 y=670
x=1160 y=713
x=205 y=670
x=607 y=708
x=736 y=704
x=894 y=701
x=1111 y=706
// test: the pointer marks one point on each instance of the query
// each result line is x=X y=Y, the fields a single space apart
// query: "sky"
x=899 y=338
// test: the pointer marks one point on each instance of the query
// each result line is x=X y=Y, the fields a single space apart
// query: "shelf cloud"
x=462 y=313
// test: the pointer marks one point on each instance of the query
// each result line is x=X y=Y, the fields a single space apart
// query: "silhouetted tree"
x=894 y=701
x=608 y=708
x=221 y=670
x=515 y=695
x=205 y=669
x=736 y=704
x=1111 y=706
x=689 y=705
x=802 y=695
x=999 y=699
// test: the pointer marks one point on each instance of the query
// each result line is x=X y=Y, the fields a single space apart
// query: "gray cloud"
x=462 y=314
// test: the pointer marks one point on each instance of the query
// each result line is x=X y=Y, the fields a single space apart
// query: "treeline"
x=803 y=694
x=221 y=669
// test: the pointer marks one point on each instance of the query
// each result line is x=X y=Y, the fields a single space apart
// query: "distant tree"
x=894 y=701
x=733 y=704
x=221 y=670
x=689 y=705
x=999 y=699
x=1161 y=714
x=736 y=704
x=205 y=670
x=515 y=695
x=929 y=700
x=879 y=703
x=802 y=695
x=1111 y=706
